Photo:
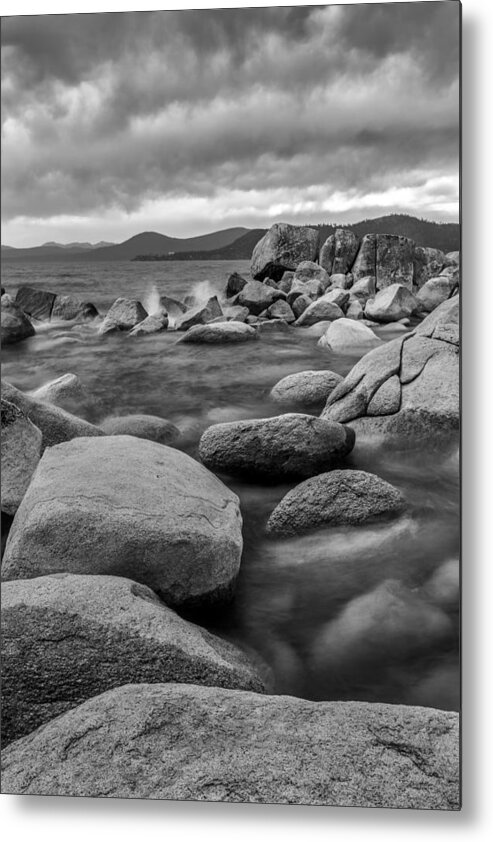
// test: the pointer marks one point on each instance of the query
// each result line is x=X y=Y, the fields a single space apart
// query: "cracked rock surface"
x=208 y=744
x=21 y=449
x=125 y=506
x=408 y=388
x=68 y=638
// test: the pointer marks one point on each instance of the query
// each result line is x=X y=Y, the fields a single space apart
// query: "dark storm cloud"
x=113 y=110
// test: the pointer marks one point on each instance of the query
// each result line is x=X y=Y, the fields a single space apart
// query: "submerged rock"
x=338 y=498
x=15 y=325
x=182 y=742
x=283 y=247
x=123 y=314
x=67 y=638
x=291 y=445
x=149 y=427
x=55 y=423
x=391 y=304
x=220 y=332
x=21 y=450
x=123 y=506
x=310 y=388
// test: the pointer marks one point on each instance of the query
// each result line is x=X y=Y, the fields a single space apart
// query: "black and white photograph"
x=230 y=405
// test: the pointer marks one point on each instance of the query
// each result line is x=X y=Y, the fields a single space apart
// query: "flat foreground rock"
x=291 y=445
x=338 y=498
x=311 y=388
x=68 y=638
x=196 y=743
x=125 y=506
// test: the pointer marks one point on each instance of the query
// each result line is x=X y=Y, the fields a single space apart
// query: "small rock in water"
x=338 y=498
x=200 y=315
x=235 y=284
x=123 y=314
x=219 y=332
x=149 y=427
x=15 y=325
x=345 y=334
x=291 y=445
x=310 y=388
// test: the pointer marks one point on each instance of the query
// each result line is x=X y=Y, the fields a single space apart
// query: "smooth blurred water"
x=355 y=613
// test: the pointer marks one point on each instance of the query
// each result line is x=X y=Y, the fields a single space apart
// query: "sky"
x=185 y=122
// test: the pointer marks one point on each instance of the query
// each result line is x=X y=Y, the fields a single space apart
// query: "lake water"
x=354 y=613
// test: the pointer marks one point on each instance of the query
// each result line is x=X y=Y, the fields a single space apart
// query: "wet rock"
x=258 y=297
x=391 y=304
x=69 y=308
x=346 y=334
x=202 y=314
x=175 y=742
x=55 y=423
x=291 y=445
x=67 y=638
x=154 y=323
x=283 y=247
x=281 y=310
x=123 y=314
x=339 y=251
x=67 y=392
x=337 y=498
x=219 y=332
x=37 y=303
x=235 y=284
x=310 y=388
x=21 y=450
x=394 y=261
x=149 y=427
x=15 y=325
x=435 y=292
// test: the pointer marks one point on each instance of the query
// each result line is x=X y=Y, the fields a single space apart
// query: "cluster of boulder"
x=114 y=532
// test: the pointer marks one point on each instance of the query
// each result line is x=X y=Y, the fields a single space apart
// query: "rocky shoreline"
x=113 y=530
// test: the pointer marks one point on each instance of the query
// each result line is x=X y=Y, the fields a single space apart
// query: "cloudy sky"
x=189 y=121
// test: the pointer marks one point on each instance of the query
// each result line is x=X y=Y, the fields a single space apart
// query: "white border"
x=54 y=819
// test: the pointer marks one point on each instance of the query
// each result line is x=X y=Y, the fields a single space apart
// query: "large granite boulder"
x=307 y=388
x=37 y=303
x=21 y=450
x=15 y=325
x=67 y=638
x=347 y=334
x=55 y=423
x=149 y=427
x=124 y=506
x=258 y=297
x=181 y=742
x=365 y=264
x=154 y=323
x=408 y=389
x=391 y=304
x=283 y=247
x=202 y=314
x=435 y=292
x=394 y=261
x=323 y=309
x=339 y=251
x=291 y=445
x=428 y=263
x=69 y=308
x=219 y=333
x=123 y=314
x=337 y=498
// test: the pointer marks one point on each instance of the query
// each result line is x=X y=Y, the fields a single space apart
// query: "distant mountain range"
x=232 y=243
